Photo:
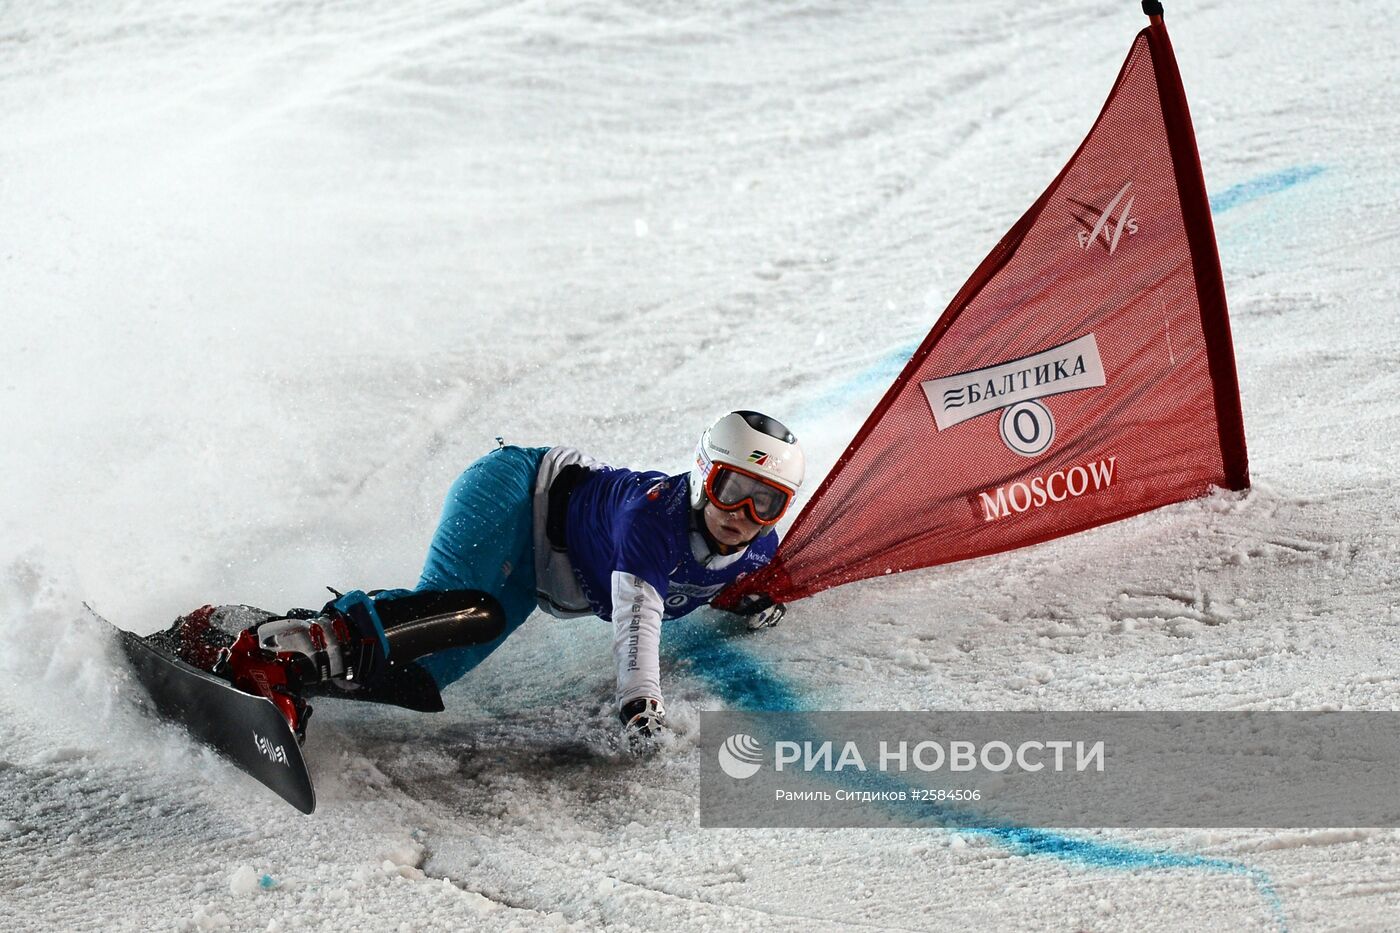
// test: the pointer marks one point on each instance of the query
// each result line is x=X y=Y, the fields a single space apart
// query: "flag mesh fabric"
x=1082 y=375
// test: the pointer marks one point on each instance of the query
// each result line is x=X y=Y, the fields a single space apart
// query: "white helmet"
x=740 y=454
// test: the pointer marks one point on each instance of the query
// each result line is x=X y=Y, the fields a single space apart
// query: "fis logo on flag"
x=964 y=396
x=1105 y=225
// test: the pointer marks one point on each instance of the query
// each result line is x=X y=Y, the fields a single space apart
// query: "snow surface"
x=271 y=274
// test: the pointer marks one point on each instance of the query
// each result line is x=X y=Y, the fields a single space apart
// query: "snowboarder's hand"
x=643 y=718
x=760 y=611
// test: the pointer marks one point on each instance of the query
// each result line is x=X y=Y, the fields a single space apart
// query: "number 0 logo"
x=1027 y=428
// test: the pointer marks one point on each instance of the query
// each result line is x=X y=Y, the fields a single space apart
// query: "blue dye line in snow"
x=1256 y=188
x=746 y=683
x=877 y=374
x=741 y=679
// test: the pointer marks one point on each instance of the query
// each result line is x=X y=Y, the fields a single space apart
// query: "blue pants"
x=484 y=541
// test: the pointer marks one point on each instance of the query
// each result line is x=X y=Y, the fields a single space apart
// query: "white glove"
x=759 y=611
x=766 y=618
x=643 y=717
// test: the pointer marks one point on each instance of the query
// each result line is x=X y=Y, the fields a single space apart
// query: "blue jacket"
x=635 y=555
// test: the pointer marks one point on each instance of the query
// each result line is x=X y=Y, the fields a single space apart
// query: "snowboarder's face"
x=731 y=529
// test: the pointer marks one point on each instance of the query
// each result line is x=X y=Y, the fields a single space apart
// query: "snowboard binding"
x=280 y=676
x=356 y=647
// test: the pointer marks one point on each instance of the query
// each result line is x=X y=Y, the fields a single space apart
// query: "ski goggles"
x=732 y=489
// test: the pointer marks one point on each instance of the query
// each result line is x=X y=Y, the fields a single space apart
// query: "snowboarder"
x=545 y=527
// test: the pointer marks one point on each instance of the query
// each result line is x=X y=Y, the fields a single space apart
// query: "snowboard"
x=245 y=729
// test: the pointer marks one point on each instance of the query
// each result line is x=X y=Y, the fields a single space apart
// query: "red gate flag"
x=1085 y=373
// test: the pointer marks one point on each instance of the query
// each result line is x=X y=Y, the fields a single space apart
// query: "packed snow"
x=272 y=274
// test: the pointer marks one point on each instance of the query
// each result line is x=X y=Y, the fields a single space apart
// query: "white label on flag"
x=1066 y=368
